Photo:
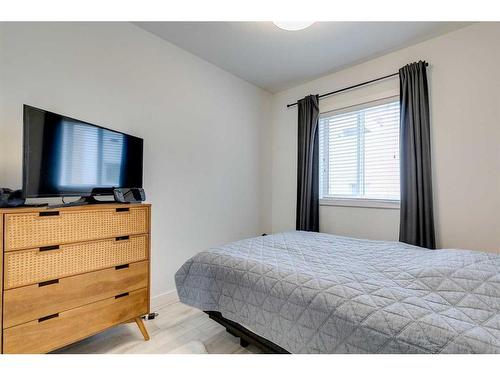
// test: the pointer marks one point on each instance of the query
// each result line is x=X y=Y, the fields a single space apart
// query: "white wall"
x=464 y=79
x=207 y=151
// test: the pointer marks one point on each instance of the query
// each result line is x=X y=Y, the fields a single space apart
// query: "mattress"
x=319 y=293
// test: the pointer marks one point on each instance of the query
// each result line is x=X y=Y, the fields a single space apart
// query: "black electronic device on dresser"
x=129 y=195
x=65 y=157
x=11 y=198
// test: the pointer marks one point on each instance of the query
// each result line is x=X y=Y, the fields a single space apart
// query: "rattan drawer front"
x=34 y=266
x=52 y=332
x=29 y=230
x=31 y=302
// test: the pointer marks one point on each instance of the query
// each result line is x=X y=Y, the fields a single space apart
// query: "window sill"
x=366 y=203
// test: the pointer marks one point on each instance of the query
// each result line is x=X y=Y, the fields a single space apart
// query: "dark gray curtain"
x=308 y=165
x=416 y=216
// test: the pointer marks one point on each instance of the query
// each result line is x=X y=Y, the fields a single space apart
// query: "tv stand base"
x=81 y=202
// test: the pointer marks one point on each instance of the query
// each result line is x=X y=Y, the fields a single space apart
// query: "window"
x=359 y=153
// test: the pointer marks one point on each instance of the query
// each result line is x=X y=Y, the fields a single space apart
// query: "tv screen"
x=68 y=157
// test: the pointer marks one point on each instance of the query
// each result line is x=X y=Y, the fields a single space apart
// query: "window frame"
x=353 y=201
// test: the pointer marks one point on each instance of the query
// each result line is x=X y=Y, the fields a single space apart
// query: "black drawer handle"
x=121 y=295
x=49 y=248
x=120 y=267
x=50 y=282
x=48 y=317
x=123 y=209
x=49 y=213
x=122 y=238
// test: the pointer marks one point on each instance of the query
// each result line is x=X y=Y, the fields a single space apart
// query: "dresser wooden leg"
x=142 y=328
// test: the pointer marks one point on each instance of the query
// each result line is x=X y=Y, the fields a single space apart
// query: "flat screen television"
x=68 y=157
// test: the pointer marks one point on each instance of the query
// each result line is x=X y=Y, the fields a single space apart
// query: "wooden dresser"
x=69 y=273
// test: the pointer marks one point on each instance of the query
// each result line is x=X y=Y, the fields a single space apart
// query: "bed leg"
x=243 y=343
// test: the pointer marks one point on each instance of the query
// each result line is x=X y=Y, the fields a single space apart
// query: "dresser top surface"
x=101 y=206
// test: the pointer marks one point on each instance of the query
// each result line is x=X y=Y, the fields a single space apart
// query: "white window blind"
x=359 y=152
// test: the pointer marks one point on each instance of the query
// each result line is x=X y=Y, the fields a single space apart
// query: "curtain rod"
x=352 y=87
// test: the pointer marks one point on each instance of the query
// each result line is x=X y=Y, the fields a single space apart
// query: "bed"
x=304 y=292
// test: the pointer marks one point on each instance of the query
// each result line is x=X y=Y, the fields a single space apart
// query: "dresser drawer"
x=31 y=302
x=49 y=333
x=45 y=228
x=37 y=265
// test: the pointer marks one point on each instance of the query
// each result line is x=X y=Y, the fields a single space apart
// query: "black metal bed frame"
x=246 y=336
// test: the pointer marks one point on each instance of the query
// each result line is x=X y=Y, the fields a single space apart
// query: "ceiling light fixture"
x=293 y=25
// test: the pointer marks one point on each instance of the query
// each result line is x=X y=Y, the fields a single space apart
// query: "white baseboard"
x=164 y=299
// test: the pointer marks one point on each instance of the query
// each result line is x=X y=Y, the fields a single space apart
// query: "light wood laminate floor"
x=177 y=329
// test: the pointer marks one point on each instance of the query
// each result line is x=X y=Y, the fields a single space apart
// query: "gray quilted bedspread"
x=320 y=293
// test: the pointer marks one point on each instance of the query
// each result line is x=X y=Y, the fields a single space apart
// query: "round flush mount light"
x=293 y=25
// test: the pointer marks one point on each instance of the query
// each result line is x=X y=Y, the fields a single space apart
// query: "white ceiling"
x=275 y=59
